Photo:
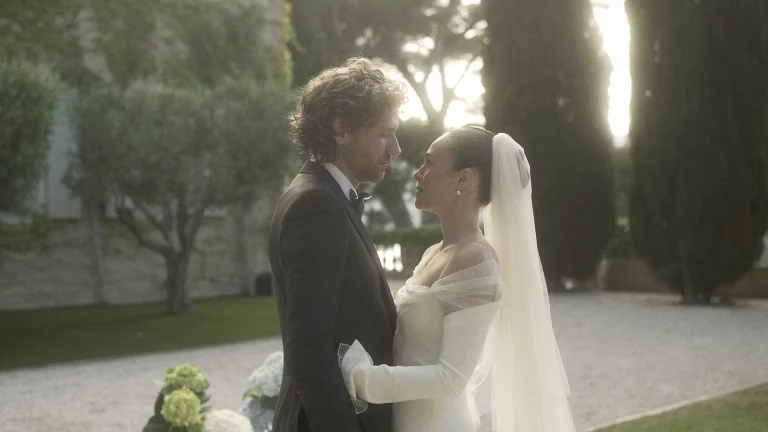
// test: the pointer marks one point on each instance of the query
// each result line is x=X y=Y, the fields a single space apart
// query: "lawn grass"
x=745 y=411
x=32 y=338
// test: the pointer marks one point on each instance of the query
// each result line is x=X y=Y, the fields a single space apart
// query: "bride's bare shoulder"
x=469 y=255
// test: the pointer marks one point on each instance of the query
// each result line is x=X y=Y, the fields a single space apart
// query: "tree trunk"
x=243 y=267
x=398 y=211
x=176 y=265
x=95 y=232
x=688 y=290
x=692 y=295
x=601 y=276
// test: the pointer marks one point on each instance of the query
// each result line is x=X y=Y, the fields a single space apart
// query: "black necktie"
x=358 y=200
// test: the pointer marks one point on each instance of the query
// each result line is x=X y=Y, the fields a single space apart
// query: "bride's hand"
x=351 y=360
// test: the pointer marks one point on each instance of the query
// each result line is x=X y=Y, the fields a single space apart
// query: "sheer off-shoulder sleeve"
x=470 y=293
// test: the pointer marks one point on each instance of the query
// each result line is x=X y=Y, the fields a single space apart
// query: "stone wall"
x=58 y=272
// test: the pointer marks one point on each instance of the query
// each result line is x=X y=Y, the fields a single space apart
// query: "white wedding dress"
x=439 y=350
x=486 y=324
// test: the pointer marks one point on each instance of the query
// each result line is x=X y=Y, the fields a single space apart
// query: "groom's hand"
x=313 y=291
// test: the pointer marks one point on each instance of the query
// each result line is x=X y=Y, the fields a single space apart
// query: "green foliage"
x=321 y=39
x=29 y=97
x=328 y=32
x=236 y=39
x=127 y=36
x=165 y=148
x=168 y=154
x=387 y=27
x=420 y=38
x=546 y=85
x=250 y=124
x=149 y=145
x=97 y=123
x=32 y=30
x=699 y=203
x=158 y=154
x=179 y=42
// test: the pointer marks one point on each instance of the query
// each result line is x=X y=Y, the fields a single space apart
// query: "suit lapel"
x=315 y=168
x=386 y=295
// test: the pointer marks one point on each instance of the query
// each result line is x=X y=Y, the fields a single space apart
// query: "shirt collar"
x=342 y=180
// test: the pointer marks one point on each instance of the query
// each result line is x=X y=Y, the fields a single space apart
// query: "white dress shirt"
x=342 y=180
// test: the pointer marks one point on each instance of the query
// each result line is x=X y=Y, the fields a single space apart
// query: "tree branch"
x=454 y=38
x=447 y=98
x=145 y=211
x=167 y=216
x=437 y=57
x=189 y=222
x=449 y=93
x=463 y=74
x=125 y=215
x=194 y=225
x=420 y=87
x=471 y=25
x=182 y=219
x=438 y=39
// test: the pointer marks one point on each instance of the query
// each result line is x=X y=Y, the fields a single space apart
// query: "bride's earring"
x=458 y=192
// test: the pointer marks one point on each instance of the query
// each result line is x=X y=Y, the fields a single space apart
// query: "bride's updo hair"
x=472 y=147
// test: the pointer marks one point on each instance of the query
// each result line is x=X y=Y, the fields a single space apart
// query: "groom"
x=330 y=287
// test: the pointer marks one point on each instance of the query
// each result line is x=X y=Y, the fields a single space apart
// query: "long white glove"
x=464 y=335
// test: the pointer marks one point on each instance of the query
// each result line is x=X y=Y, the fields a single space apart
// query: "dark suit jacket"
x=330 y=289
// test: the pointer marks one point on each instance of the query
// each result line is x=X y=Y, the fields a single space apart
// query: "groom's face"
x=367 y=152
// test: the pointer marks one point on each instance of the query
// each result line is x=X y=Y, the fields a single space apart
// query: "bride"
x=474 y=316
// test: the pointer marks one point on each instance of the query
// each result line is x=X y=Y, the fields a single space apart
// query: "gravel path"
x=624 y=354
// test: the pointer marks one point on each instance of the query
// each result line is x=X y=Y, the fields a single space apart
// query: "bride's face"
x=436 y=180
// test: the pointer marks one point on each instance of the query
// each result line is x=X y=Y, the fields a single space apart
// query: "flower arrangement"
x=182 y=409
x=180 y=406
x=263 y=389
x=226 y=421
x=264 y=382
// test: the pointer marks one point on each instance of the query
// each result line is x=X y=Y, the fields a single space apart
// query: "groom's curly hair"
x=357 y=92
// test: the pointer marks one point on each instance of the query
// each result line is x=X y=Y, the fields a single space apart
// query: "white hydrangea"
x=226 y=421
x=276 y=358
x=265 y=380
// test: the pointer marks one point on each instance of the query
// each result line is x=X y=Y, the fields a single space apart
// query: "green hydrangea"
x=186 y=376
x=182 y=409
